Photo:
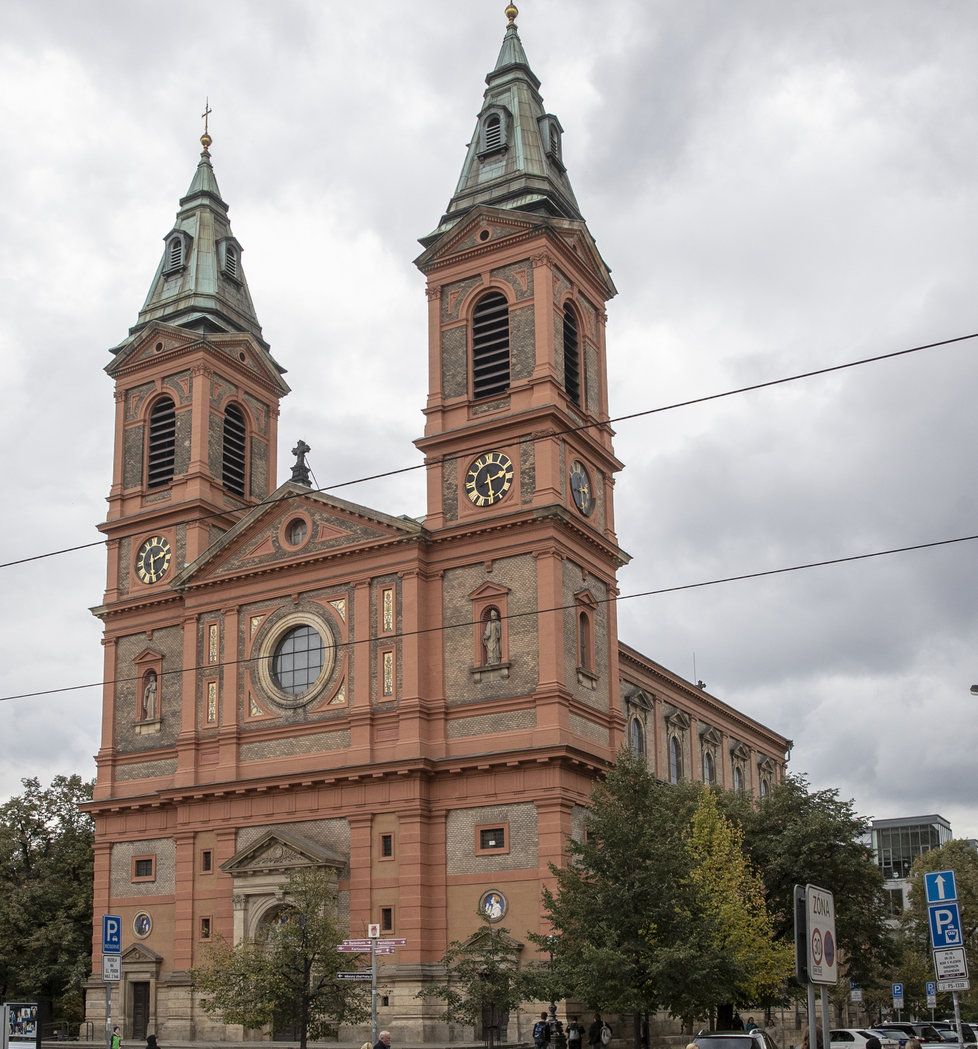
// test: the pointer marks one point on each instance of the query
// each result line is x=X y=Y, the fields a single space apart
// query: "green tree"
x=962 y=858
x=46 y=850
x=633 y=936
x=797 y=836
x=289 y=976
x=482 y=979
x=733 y=900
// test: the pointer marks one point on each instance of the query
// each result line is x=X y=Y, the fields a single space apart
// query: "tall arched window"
x=231 y=260
x=233 y=461
x=765 y=787
x=585 y=653
x=675 y=760
x=490 y=346
x=572 y=355
x=709 y=768
x=162 y=443
x=738 y=779
x=636 y=737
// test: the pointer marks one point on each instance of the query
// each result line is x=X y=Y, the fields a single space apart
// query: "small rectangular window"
x=386 y=919
x=205 y=928
x=144 y=868
x=386 y=846
x=206 y=861
x=492 y=838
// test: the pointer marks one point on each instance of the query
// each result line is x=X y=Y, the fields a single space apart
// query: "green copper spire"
x=514 y=159
x=199 y=283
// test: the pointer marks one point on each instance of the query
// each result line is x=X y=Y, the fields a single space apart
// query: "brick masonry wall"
x=519 y=575
x=147 y=769
x=169 y=641
x=181 y=460
x=449 y=489
x=522 y=343
x=259 y=467
x=452 y=297
x=132 y=456
x=528 y=469
x=523 y=838
x=215 y=443
x=486 y=724
x=454 y=371
x=136 y=398
x=311 y=743
x=334 y=834
x=519 y=276
x=574 y=583
x=583 y=727
x=120 y=876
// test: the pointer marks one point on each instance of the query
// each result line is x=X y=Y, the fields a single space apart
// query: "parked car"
x=927 y=1034
x=946 y=1027
x=756 y=1039
x=857 y=1037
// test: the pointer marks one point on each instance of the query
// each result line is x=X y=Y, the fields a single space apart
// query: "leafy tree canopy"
x=289 y=975
x=46 y=850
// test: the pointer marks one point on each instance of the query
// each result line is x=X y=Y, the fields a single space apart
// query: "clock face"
x=489 y=478
x=153 y=559
x=580 y=483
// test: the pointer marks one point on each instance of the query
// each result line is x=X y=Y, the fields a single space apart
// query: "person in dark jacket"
x=384 y=1041
x=151 y=1042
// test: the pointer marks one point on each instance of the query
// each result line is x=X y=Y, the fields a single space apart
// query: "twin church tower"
x=292 y=679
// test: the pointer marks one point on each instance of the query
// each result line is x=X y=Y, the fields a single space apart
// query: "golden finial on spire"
x=205 y=138
x=511 y=12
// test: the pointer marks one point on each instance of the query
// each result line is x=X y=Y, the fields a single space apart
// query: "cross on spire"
x=205 y=138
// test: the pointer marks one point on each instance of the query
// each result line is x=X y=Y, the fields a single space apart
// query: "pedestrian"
x=750 y=1025
x=151 y=1042
x=575 y=1033
x=541 y=1032
x=115 y=1042
x=872 y=1042
x=818 y=1039
x=384 y=1041
x=594 y=1031
x=738 y=1022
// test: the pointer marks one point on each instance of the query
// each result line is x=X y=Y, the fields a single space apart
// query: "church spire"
x=515 y=157
x=199 y=283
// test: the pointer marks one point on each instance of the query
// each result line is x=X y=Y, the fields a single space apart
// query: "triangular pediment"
x=471 y=234
x=488 y=590
x=677 y=719
x=150 y=654
x=739 y=751
x=765 y=764
x=280 y=850
x=638 y=698
x=708 y=734
x=139 y=952
x=586 y=598
x=328 y=525
x=579 y=243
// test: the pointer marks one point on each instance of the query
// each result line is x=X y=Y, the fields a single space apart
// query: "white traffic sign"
x=822 y=952
x=112 y=968
x=352 y=948
x=931 y=989
x=390 y=943
x=940 y=886
x=951 y=964
x=357 y=943
x=954 y=985
x=354 y=976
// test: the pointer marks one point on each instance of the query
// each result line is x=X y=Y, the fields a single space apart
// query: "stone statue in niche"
x=492 y=638
x=148 y=712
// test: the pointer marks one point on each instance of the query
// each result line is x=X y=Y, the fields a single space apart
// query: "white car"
x=857 y=1037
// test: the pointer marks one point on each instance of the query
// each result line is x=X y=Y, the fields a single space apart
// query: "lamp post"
x=557 y=1040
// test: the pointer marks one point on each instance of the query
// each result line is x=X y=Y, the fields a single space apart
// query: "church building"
x=422 y=705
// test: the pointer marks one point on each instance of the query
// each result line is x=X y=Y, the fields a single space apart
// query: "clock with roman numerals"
x=489 y=478
x=153 y=559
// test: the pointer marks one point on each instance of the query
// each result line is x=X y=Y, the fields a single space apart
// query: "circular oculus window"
x=296 y=658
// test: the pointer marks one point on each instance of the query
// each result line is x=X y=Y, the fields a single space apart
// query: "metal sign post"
x=897 y=990
x=112 y=946
x=816 y=956
x=946 y=938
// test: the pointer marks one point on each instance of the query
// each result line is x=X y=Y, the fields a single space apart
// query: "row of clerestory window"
x=491 y=349
x=161 y=459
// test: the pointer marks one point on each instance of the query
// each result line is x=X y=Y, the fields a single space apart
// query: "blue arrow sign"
x=111 y=934
x=898 y=990
x=940 y=886
x=945 y=925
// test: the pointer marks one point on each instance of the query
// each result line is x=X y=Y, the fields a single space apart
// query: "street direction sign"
x=357 y=943
x=352 y=948
x=822 y=954
x=954 y=985
x=111 y=934
x=940 y=886
x=391 y=943
x=951 y=964
x=112 y=968
x=945 y=925
x=354 y=976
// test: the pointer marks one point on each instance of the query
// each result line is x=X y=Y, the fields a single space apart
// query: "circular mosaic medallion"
x=142 y=924
x=493 y=905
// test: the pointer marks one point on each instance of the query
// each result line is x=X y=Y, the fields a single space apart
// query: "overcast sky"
x=778 y=186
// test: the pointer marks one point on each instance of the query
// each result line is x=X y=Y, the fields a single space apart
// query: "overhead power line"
x=462 y=624
x=535 y=437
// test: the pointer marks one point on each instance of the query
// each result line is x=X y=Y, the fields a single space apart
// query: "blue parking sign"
x=945 y=925
x=898 y=990
x=111 y=934
x=940 y=886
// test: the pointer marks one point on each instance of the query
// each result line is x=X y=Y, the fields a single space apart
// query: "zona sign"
x=822 y=959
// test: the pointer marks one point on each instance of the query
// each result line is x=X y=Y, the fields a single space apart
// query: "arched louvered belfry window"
x=675 y=760
x=174 y=258
x=233 y=462
x=572 y=355
x=162 y=443
x=492 y=131
x=490 y=346
x=231 y=260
